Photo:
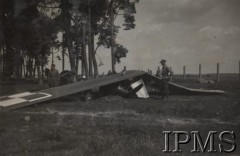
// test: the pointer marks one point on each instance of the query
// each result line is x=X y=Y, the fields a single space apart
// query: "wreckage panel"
x=153 y=83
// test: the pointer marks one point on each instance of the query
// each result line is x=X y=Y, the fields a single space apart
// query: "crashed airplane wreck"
x=132 y=83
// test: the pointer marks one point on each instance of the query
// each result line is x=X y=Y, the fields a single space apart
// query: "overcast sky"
x=185 y=32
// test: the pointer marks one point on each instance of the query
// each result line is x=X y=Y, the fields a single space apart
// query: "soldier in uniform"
x=124 y=70
x=159 y=73
x=167 y=74
x=53 y=77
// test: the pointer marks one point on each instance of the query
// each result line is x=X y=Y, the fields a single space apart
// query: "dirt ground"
x=113 y=125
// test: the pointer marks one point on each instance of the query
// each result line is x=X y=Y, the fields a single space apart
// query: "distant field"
x=227 y=82
x=223 y=76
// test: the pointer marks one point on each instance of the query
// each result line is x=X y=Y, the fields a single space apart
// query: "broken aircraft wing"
x=29 y=98
x=131 y=78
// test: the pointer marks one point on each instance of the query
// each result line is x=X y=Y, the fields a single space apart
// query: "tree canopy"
x=29 y=31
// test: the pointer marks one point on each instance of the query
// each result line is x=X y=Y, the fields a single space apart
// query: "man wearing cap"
x=167 y=74
x=124 y=70
x=53 y=77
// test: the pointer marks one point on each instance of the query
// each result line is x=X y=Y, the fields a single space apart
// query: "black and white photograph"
x=119 y=77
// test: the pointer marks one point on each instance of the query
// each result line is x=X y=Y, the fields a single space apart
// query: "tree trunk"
x=24 y=67
x=52 y=57
x=72 y=57
x=89 y=40
x=78 y=53
x=34 y=69
x=63 y=58
x=77 y=64
x=2 y=59
x=18 y=63
x=31 y=70
x=112 y=38
x=42 y=67
x=37 y=63
x=63 y=51
x=21 y=64
x=84 y=54
x=9 y=60
x=95 y=66
x=82 y=68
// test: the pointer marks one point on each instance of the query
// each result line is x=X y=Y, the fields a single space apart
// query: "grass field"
x=113 y=125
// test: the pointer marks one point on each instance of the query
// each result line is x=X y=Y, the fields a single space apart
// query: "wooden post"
x=200 y=71
x=217 y=72
x=184 y=72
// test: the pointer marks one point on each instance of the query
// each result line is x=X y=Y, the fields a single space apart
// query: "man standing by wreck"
x=159 y=73
x=167 y=74
x=53 y=77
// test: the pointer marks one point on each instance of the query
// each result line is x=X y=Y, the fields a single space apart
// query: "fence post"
x=200 y=71
x=184 y=72
x=217 y=72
